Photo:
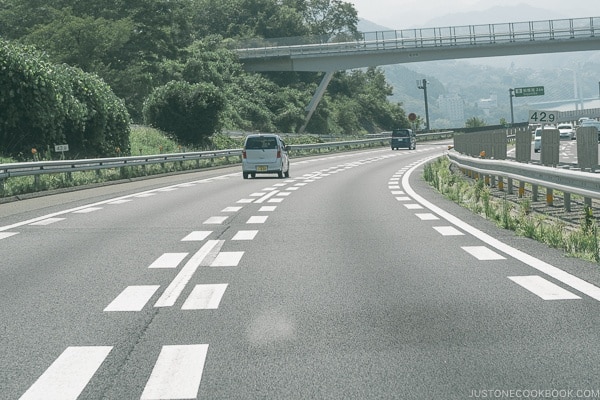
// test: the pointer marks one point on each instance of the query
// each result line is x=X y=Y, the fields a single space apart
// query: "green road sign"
x=529 y=91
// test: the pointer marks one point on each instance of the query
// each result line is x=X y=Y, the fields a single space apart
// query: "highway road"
x=352 y=279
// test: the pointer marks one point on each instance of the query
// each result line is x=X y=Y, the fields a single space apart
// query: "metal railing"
x=468 y=35
x=568 y=181
x=37 y=168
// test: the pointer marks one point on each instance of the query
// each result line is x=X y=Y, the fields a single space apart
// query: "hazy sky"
x=399 y=14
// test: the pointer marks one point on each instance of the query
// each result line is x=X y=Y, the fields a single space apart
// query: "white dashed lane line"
x=205 y=297
x=132 y=298
x=177 y=373
x=69 y=374
x=168 y=260
x=543 y=288
x=196 y=236
x=535 y=284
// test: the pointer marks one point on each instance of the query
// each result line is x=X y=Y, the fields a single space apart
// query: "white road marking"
x=244 y=235
x=231 y=209
x=283 y=194
x=448 y=230
x=258 y=194
x=267 y=208
x=276 y=200
x=196 y=236
x=257 y=219
x=205 y=297
x=227 y=259
x=168 y=260
x=427 y=217
x=403 y=198
x=115 y=200
x=69 y=374
x=132 y=298
x=245 y=201
x=215 y=220
x=145 y=195
x=482 y=253
x=392 y=187
x=543 y=288
x=87 y=210
x=47 y=221
x=177 y=373
x=4 y=235
x=397 y=192
x=122 y=201
x=575 y=282
x=292 y=188
x=413 y=206
x=266 y=196
x=170 y=295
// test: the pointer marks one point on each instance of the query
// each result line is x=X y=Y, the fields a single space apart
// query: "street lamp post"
x=422 y=84
x=512 y=114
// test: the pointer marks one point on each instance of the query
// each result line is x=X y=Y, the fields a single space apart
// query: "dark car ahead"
x=403 y=138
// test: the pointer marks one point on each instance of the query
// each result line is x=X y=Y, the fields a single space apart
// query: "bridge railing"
x=561 y=29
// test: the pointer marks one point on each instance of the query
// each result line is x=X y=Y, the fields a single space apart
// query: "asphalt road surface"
x=352 y=279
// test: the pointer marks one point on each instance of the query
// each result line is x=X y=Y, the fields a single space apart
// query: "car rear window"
x=261 y=143
x=400 y=133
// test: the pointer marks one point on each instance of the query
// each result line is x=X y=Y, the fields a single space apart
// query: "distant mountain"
x=485 y=78
x=364 y=25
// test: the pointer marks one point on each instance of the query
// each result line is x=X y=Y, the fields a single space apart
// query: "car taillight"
x=278 y=152
x=244 y=153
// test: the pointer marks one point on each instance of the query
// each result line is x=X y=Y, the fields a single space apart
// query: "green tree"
x=475 y=122
x=330 y=17
x=43 y=104
x=190 y=112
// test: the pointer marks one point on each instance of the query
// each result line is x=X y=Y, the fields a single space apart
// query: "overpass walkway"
x=330 y=54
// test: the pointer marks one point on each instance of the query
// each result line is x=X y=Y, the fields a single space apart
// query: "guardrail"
x=67 y=167
x=585 y=184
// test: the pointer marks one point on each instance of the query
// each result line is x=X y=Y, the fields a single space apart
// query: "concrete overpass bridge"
x=329 y=55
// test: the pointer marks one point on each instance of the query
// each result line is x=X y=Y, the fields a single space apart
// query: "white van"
x=265 y=154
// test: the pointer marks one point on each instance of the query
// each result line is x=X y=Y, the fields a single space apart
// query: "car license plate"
x=261 y=168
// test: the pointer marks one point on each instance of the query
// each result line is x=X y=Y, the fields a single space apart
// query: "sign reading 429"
x=543 y=117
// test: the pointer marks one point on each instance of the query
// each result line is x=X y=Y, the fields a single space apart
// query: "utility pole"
x=512 y=114
x=422 y=84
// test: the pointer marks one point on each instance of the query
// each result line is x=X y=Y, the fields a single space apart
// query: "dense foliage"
x=139 y=47
x=42 y=104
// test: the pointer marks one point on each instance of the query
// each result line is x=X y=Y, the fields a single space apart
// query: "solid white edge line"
x=542 y=266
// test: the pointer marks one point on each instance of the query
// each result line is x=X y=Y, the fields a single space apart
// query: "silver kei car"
x=265 y=154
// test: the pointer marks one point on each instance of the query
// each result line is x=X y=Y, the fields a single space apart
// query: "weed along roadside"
x=575 y=232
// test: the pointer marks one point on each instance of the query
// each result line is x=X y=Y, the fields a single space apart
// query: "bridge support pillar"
x=314 y=102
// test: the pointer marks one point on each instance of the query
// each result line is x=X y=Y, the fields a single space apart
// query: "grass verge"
x=579 y=241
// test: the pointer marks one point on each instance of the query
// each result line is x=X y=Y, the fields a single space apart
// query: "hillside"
x=564 y=75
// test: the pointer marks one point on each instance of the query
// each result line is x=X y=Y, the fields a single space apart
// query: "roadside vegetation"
x=580 y=240
x=143 y=141
x=79 y=72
